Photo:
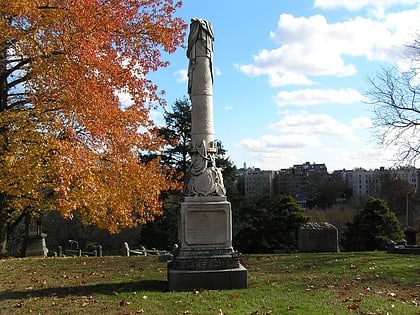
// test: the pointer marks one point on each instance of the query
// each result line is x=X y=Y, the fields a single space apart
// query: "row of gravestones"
x=313 y=237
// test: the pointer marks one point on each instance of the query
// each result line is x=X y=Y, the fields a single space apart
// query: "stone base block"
x=36 y=246
x=190 y=280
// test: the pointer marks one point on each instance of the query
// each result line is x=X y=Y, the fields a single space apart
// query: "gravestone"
x=318 y=237
x=35 y=240
x=205 y=258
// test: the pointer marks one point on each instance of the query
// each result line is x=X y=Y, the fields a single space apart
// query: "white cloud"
x=228 y=108
x=273 y=143
x=305 y=97
x=335 y=157
x=275 y=160
x=368 y=157
x=182 y=75
x=361 y=123
x=124 y=98
x=311 y=125
x=311 y=46
x=302 y=136
x=157 y=118
x=276 y=71
x=358 y=4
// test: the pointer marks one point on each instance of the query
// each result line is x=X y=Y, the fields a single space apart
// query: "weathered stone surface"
x=190 y=280
x=205 y=235
x=318 y=237
x=205 y=258
x=204 y=178
x=205 y=222
x=36 y=245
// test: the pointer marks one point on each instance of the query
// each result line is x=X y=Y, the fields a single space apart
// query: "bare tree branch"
x=394 y=96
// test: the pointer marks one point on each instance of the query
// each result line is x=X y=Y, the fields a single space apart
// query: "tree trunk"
x=3 y=233
x=25 y=239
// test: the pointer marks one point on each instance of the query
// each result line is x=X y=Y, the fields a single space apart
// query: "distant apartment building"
x=301 y=181
x=256 y=182
x=366 y=183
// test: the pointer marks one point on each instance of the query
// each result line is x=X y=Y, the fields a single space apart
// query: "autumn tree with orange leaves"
x=67 y=142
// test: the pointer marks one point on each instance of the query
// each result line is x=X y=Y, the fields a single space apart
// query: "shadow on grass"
x=82 y=290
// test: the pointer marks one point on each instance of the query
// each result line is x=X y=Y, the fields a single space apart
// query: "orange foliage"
x=71 y=135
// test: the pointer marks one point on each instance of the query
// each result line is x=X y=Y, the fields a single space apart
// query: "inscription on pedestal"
x=206 y=227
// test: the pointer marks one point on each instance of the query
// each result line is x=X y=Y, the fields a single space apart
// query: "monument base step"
x=190 y=280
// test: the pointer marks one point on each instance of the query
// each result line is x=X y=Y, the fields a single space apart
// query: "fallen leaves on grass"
x=264 y=312
x=234 y=297
x=124 y=303
x=88 y=299
x=353 y=306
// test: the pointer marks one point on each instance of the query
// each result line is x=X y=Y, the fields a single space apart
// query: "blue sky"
x=291 y=75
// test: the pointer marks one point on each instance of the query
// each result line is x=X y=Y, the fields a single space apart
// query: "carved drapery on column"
x=204 y=178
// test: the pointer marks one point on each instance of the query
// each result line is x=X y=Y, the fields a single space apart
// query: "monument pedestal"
x=190 y=280
x=206 y=259
x=36 y=246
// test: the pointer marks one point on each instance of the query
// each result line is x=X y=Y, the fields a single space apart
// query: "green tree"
x=329 y=190
x=372 y=227
x=228 y=171
x=177 y=133
x=162 y=233
x=395 y=191
x=267 y=224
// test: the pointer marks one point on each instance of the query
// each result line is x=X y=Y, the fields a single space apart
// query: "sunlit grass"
x=341 y=283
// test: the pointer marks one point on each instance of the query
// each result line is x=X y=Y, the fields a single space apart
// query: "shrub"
x=372 y=227
x=269 y=224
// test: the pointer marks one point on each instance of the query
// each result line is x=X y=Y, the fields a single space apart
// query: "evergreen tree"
x=177 y=132
x=267 y=224
x=372 y=227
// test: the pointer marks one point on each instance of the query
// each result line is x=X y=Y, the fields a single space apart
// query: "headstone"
x=125 y=249
x=205 y=258
x=318 y=237
x=35 y=240
x=411 y=236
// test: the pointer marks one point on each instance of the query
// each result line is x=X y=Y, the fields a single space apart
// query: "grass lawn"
x=338 y=283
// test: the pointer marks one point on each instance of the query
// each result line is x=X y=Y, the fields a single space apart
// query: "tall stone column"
x=204 y=177
x=200 y=82
x=205 y=258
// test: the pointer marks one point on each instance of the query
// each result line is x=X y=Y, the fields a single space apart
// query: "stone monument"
x=318 y=237
x=35 y=244
x=205 y=258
